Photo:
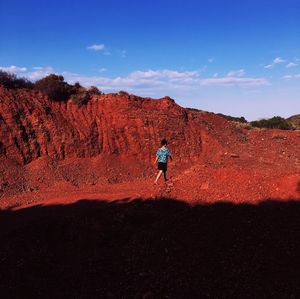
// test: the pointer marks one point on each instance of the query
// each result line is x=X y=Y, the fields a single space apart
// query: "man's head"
x=164 y=142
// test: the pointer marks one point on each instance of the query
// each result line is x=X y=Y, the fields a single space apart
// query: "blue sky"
x=235 y=57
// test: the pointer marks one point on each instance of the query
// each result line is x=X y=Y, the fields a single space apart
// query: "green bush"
x=53 y=86
x=232 y=118
x=275 y=122
x=56 y=88
x=11 y=81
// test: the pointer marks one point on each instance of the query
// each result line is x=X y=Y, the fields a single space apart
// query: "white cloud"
x=70 y=74
x=268 y=66
x=234 y=81
x=151 y=81
x=141 y=81
x=239 y=73
x=43 y=68
x=163 y=80
x=105 y=51
x=211 y=60
x=36 y=73
x=160 y=74
x=13 y=69
x=278 y=60
x=39 y=72
x=216 y=75
x=289 y=77
x=291 y=64
x=96 y=47
x=103 y=69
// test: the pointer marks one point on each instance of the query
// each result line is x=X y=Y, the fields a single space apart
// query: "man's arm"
x=170 y=155
x=155 y=160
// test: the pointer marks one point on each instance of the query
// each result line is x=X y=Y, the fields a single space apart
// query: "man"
x=162 y=156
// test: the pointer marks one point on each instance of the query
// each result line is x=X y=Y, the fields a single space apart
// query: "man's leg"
x=165 y=175
x=158 y=176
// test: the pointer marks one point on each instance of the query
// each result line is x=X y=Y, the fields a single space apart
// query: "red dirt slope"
x=108 y=146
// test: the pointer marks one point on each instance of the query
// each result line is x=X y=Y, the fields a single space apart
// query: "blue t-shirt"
x=163 y=154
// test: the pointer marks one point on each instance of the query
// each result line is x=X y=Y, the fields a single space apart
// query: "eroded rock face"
x=125 y=126
x=113 y=136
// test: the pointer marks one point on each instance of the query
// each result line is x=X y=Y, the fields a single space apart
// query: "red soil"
x=58 y=152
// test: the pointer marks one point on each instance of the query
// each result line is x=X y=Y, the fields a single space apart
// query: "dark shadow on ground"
x=151 y=249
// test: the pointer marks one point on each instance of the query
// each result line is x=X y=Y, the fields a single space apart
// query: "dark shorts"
x=162 y=166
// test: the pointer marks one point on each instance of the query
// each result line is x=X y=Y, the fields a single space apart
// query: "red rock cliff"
x=33 y=127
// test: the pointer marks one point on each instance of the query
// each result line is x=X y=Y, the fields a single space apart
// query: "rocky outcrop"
x=112 y=124
x=33 y=127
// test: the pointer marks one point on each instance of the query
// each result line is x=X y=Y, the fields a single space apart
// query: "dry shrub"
x=11 y=81
x=275 y=122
